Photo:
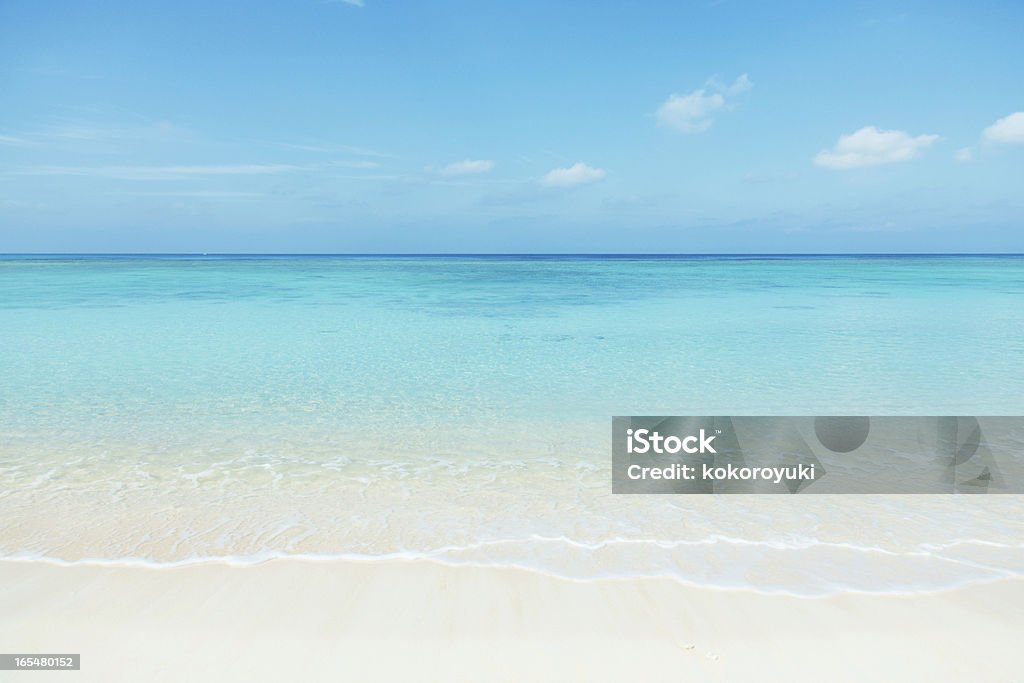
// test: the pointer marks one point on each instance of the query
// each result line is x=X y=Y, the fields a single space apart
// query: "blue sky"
x=530 y=126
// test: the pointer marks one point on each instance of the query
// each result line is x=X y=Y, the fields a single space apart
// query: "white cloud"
x=738 y=87
x=1008 y=129
x=690 y=113
x=872 y=147
x=963 y=155
x=468 y=167
x=357 y=3
x=573 y=176
x=693 y=112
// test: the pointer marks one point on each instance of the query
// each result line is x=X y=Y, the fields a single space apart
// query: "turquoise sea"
x=168 y=409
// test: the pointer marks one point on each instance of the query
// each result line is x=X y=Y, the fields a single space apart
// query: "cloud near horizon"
x=870 y=146
x=693 y=112
x=573 y=176
x=1009 y=129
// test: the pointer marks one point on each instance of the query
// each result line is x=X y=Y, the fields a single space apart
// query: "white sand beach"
x=424 y=621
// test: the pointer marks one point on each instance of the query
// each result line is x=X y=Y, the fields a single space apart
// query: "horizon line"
x=201 y=254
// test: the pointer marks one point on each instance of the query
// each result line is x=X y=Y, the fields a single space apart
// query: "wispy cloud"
x=11 y=140
x=159 y=172
x=378 y=177
x=354 y=3
x=694 y=111
x=1009 y=129
x=741 y=85
x=870 y=146
x=963 y=155
x=353 y=164
x=58 y=72
x=17 y=203
x=573 y=176
x=207 y=194
x=466 y=167
x=330 y=148
x=68 y=134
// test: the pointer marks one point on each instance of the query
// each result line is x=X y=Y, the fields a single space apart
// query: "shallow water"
x=178 y=408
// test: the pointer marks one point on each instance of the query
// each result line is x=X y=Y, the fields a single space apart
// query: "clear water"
x=180 y=408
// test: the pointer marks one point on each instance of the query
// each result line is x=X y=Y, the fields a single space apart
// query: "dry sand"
x=297 y=620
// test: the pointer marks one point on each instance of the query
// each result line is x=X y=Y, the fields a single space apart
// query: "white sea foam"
x=917 y=570
x=567 y=527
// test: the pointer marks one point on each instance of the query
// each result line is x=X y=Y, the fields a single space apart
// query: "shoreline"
x=245 y=563
x=393 y=620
